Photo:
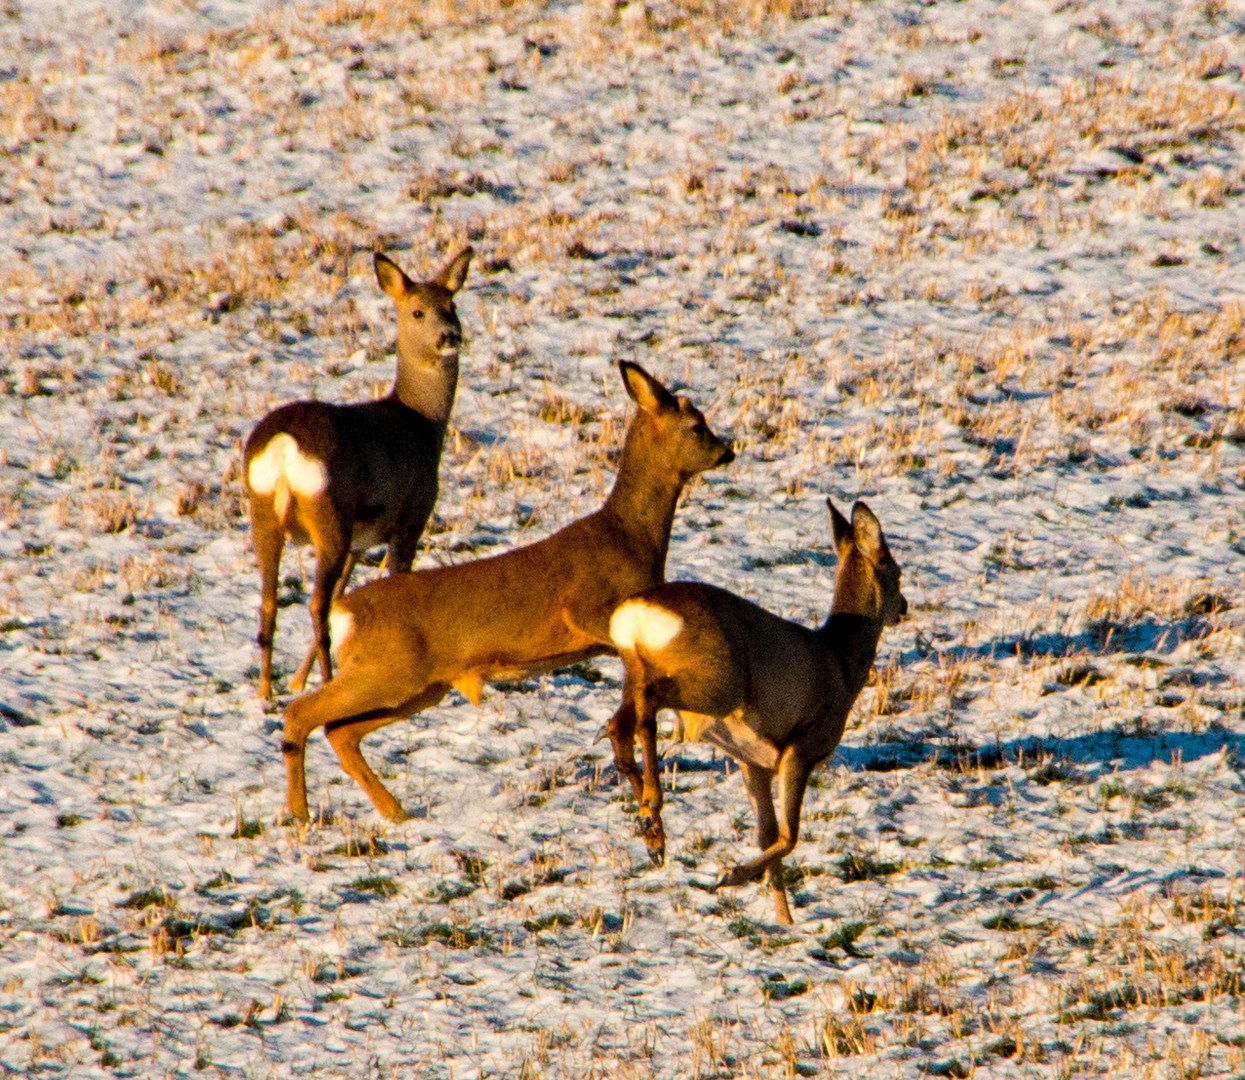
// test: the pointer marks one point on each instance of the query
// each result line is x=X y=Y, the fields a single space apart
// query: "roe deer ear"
x=392 y=280
x=868 y=532
x=841 y=527
x=644 y=390
x=455 y=272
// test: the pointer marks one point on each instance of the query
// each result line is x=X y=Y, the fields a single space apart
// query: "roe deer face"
x=696 y=448
x=685 y=439
x=867 y=580
x=428 y=326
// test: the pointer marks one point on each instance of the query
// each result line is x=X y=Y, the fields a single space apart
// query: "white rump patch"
x=265 y=468
x=282 y=459
x=341 y=626
x=638 y=623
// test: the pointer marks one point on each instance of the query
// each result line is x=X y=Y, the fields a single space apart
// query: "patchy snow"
x=979 y=263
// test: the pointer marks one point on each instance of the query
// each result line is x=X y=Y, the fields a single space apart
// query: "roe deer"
x=345 y=478
x=771 y=693
x=403 y=641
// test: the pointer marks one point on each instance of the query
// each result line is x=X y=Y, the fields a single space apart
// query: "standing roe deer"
x=771 y=693
x=403 y=641
x=345 y=478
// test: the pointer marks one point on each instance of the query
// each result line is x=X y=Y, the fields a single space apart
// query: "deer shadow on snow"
x=1146 y=642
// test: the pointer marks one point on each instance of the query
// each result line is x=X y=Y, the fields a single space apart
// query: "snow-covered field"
x=980 y=263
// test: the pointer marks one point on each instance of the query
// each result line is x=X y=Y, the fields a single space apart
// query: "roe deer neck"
x=428 y=388
x=645 y=492
x=851 y=641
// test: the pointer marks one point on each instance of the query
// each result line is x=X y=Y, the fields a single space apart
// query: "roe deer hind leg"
x=403 y=544
x=302 y=717
x=268 y=539
x=621 y=732
x=792 y=780
x=793 y=773
x=344 y=736
x=639 y=708
x=299 y=678
x=338 y=700
x=650 y=800
x=757 y=782
x=334 y=551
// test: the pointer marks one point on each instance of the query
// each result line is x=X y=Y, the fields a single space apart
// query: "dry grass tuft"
x=114 y=511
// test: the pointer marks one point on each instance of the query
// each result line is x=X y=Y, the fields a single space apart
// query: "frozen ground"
x=979 y=262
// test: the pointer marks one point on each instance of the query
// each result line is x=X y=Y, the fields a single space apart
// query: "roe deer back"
x=771 y=693
x=345 y=478
x=404 y=641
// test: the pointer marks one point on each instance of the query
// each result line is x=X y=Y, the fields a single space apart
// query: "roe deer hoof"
x=397 y=816
x=737 y=875
x=656 y=845
x=650 y=828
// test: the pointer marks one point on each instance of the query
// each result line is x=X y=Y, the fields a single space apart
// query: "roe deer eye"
x=416 y=313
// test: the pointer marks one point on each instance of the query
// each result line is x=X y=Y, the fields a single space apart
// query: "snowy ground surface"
x=978 y=262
